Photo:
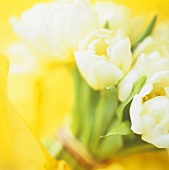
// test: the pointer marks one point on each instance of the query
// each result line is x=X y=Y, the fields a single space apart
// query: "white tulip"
x=152 y=58
x=119 y=17
x=149 y=111
x=151 y=44
x=103 y=58
x=53 y=30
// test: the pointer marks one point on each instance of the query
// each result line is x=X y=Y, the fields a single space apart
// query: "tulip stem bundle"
x=94 y=115
x=100 y=123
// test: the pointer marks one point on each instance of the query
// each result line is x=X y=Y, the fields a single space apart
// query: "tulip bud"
x=103 y=58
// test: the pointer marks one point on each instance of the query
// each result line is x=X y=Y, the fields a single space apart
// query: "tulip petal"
x=79 y=16
x=120 y=54
x=135 y=111
x=126 y=85
x=98 y=72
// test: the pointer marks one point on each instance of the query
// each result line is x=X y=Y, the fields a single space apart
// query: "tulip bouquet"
x=120 y=67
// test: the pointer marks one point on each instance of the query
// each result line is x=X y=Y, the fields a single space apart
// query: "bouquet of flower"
x=119 y=63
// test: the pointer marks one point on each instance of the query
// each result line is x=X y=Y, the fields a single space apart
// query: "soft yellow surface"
x=43 y=99
x=145 y=161
x=19 y=148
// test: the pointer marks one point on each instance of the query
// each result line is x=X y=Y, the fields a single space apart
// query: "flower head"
x=151 y=58
x=53 y=30
x=119 y=17
x=103 y=58
x=149 y=111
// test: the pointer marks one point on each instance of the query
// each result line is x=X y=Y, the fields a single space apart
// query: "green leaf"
x=122 y=129
x=107 y=25
x=146 y=33
x=137 y=88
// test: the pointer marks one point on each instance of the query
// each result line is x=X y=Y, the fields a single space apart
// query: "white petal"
x=29 y=25
x=159 y=137
x=158 y=108
x=120 y=54
x=135 y=111
x=126 y=85
x=84 y=65
x=80 y=22
x=146 y=90
x=54 y=34
x=161 y=77
x=106 y=74
x=161 y=142
x=96 y=70
x=162 y=65
x=147 y=123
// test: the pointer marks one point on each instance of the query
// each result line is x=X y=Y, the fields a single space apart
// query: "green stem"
x=146 y=33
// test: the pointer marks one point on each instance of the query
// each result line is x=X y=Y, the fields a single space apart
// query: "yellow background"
x=16 y=7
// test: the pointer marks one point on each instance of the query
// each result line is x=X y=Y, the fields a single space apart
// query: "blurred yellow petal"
x=153 y=161
x=147 y=161
x=19 y=148
x=43 y=100
x=45 y=93
x=55 y=98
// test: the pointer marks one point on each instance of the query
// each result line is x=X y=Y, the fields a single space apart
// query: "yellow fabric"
x=19 y=148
